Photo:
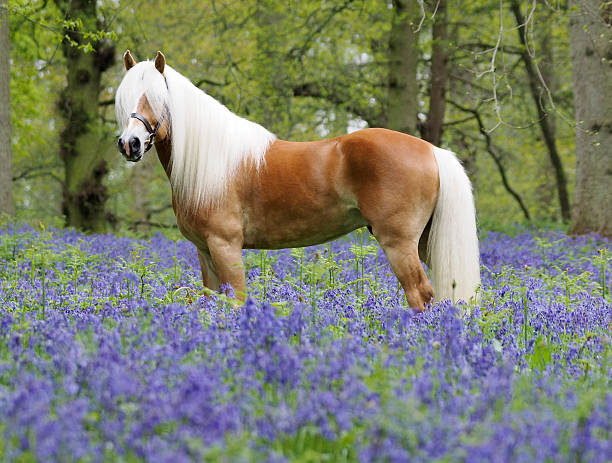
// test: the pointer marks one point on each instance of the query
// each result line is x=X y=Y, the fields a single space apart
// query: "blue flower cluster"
x=110 y=350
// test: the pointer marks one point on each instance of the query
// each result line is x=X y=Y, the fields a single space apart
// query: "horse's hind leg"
x=403 y=255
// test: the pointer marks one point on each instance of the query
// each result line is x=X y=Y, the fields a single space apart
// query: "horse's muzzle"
x=136 y=158
x=135 y=154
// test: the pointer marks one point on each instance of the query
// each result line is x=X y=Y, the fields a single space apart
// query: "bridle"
x=152 y=130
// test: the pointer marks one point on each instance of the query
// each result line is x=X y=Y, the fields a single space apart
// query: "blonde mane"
x=209 y=142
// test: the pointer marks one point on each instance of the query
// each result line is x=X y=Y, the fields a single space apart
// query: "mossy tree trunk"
x=402 y=105
x=590 y=34
x=6 y=171
x=81 y=139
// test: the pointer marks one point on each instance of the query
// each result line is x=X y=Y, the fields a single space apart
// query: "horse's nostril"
x=134 y=145
x=120 y=145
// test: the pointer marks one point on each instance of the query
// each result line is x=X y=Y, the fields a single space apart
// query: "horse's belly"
x=296 y=228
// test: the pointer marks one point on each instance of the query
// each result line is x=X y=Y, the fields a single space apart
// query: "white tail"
x=452 y=247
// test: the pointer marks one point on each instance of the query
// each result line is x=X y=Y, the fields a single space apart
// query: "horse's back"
x=308 y=192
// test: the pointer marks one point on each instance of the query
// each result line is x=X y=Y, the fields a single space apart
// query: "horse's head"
x=141 y=106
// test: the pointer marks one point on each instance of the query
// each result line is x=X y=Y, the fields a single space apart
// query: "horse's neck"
x=164 y=151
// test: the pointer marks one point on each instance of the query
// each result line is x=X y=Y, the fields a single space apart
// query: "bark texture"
x=543 y=43
x=80 y=141
x=403 y=58
x=439 y=77
x=6 y=170
x=591 y=55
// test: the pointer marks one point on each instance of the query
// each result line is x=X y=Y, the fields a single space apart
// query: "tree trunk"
x=439 y=76
x=591 y=56
x=6 y=171
x=546 y=64
x=81 y=139
x=543 y=45
x=548 y=129
x=402 y=105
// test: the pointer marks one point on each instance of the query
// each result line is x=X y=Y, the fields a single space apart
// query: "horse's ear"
x=128 y=60
x=160 y=62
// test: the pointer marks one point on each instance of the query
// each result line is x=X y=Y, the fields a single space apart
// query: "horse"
x=235 y=185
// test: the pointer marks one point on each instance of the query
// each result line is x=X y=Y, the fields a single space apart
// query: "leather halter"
x=152 y=131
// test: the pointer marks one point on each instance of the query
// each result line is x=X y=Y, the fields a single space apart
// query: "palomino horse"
x=235 y=185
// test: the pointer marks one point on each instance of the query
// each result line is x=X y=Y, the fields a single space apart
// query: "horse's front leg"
x=209 y=273
x=226 y=256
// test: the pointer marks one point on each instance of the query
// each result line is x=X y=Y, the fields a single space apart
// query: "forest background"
x=519 y=90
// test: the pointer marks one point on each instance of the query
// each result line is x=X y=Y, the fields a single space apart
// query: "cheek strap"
x=152 y=131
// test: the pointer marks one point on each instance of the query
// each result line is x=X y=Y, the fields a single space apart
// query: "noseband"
x=152 y=130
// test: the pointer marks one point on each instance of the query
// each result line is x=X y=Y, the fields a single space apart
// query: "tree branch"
x=495 y=155
x=158 y=210
x=535 y=81
x=132 y=224
x=214 y=83
x=299 y=51
x=35 y=172
x=314 y=90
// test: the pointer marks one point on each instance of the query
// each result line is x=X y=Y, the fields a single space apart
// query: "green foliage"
x=307 y=445
x=305 y=70
x=35 y=81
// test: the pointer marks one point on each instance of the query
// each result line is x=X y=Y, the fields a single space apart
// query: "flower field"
x=111 y=350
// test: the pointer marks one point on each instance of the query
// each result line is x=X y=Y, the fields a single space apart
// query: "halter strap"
x=142 y=119
x=152 y=131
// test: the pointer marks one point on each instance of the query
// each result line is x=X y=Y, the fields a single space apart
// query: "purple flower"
x=329 y=368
